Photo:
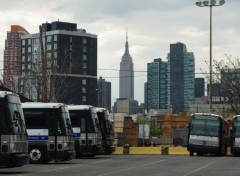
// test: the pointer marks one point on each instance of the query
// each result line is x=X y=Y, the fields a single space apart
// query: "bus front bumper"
x=14 y=159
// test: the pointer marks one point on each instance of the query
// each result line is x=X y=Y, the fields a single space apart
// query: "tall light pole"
x=210 y=3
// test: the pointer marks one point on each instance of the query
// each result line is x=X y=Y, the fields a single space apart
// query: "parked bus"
x=107 y=130
x=13 y=134
x=85 y=117
x=235 y=136
x=50 y=133
x=208 y=134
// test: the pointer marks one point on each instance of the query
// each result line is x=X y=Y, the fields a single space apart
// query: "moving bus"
x=85 y=117
x=208 y=134
x=13 y=134
x=107 y=130
x=235 y=136
x=49 y=130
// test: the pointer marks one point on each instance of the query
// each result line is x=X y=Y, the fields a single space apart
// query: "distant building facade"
x=126 y=75
x=104 y=93
x=129 y=106
x=65 y=58
x=12 y=57
x=199 y=87
x=181 y=77
x=157 y=84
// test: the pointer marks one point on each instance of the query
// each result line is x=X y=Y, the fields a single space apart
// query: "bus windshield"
x=205 y=127
x=65 y=124
x=103 y=122
x=17 y=125
x=85 y=119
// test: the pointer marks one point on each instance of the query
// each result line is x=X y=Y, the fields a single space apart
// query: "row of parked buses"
x=212 y=134
x=41 y=132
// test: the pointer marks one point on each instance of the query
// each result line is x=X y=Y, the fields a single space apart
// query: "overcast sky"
x=152 y=26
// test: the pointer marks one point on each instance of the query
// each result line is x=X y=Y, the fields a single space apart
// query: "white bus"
x=107 y=129
x=50 y=133
x=235 y=136
x=13 y=134
x=208 y=134
x=85 y=117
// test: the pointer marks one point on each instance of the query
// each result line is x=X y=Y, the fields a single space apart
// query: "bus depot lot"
x=134 y=165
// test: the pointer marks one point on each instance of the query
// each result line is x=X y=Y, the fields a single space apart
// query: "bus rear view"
x=13 y=134
x=50 y=133
x=208 y=134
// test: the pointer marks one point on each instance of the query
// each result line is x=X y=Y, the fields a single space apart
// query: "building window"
x=84 y=57
x=49 y=47
x=84 y=98
x=55 y=54
x=84 y=82
x=84 y=49
x=29 y=41
x=84 y=41
x=23 y=42
x=29 y=49
x=55 y=46
x=55 y=38
x=49 y=38
x=70 y=39
x=84 y=65
x=84 y=90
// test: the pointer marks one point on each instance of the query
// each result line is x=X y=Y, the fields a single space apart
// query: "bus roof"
x=98 y=109
x=235 y=116
x=41 y=105
x=4 y=93
x=79 y=107
x=207 y=114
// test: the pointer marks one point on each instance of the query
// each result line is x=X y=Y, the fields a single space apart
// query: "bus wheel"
x=191 y=153
x=36 y=155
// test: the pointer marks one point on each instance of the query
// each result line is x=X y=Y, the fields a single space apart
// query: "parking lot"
x=139 y=165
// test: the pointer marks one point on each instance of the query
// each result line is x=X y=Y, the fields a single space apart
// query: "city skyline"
x=152 y=27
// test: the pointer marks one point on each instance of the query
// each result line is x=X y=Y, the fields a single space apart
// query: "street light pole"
x=210 y=4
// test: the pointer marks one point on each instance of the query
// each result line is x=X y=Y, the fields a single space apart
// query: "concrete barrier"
x=156 y=150
x=153 y=150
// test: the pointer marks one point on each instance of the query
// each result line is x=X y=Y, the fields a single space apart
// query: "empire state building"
x=126 y=80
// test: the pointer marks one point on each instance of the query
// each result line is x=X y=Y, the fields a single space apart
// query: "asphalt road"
x=134 y=165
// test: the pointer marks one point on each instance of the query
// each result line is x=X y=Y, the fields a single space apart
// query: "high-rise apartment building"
x=12 y=57
x=181 y=75
x=199 y=87
x=59 y=64
x=126 y=73
x=157 y=84
x=104 y=93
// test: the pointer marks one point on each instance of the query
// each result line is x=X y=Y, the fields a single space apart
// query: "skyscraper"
x=181 y=75
x=157 y=84
x=199 y=87
x=104 y=93
x=126 y=80
x=59 y=64
x=12 y=57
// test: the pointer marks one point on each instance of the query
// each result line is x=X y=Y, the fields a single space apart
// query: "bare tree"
x=227 y=73
x=49 y=71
